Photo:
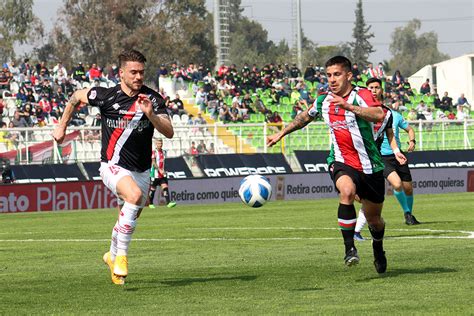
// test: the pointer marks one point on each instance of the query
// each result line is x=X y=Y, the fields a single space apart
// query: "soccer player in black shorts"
x=358 y=167
x=159 y=175
x=398 y=174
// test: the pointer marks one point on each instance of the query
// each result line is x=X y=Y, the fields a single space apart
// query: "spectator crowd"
x=37 y=94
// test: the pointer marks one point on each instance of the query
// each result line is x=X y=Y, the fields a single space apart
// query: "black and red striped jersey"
x=126 y=131
x=159 y=157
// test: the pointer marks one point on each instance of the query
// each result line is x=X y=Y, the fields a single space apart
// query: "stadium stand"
x=256 y=93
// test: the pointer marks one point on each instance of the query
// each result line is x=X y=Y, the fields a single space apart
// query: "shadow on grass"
x=189 y=281
x=307 y=289
x=148 y=284
x=434 y=222
x=391 y=273
x=420 y=234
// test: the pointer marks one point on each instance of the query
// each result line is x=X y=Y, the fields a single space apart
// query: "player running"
x=159 y=176
x=356 y=164
x=396 y=173
x=130 y=113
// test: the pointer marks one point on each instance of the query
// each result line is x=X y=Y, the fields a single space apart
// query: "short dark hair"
x=339 y=60
x=130 y=55
x=372 y=80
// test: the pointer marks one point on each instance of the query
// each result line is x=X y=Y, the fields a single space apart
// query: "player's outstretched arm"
x=300 y=121
x=78 y=97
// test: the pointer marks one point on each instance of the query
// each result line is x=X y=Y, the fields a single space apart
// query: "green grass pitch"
x=283 y=258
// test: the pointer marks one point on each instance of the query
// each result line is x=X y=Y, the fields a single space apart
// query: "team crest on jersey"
x=116 y=106
x=93 y=95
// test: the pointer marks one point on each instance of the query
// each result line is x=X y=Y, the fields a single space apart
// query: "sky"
x=330 y=22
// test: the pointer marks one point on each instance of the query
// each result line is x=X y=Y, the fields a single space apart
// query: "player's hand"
x=273 y=139
x=58 y=134
x=411 y=147
x=401 y=158
x=339 y=101
x=145 y=104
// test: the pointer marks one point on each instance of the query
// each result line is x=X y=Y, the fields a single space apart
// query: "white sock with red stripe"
x=113 y=242
x=126 y=226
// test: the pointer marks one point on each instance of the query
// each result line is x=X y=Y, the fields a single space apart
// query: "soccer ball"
x=255 y=190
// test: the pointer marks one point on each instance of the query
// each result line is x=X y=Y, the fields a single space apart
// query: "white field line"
x=469 y=235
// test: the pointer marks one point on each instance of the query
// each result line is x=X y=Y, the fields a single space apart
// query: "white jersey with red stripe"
x=126 y=131
x=159 y=157
x=352 y=137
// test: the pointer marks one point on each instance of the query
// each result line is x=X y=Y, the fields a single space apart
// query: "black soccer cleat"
x=414 y=221
x=380 y=261
x=410 y=219
x=351 y=258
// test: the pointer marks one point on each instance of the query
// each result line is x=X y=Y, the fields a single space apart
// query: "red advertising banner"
x=55 y=196
x=43 y=152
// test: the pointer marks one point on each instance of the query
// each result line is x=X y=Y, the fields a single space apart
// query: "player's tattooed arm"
x=371 y=114
x=78 y=97
x=300 y=121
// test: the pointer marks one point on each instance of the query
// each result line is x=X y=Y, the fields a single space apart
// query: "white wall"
x=418 y=78
x=454 y=76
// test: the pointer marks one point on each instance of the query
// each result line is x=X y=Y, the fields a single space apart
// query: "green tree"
x=361 y=47
x=323 y=53
x=96 y=31
x=412 y=52
x=18 y=25
x=249 y=41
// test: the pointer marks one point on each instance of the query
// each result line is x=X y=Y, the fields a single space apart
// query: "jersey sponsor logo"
x=127 y=112
x=116 y=106
x=93 y=95
x=127 y=124
x=338 y=125
x=242 y=171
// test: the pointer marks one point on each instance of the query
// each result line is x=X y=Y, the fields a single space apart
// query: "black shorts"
x=368 y=186
x=392 y=164
x=159 y=181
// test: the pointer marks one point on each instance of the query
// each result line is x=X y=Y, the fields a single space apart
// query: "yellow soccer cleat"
x=119 y=280
x=121 y=266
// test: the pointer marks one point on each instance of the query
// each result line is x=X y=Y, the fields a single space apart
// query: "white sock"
x=126 y=227
x=113 y=242
x=361 y=221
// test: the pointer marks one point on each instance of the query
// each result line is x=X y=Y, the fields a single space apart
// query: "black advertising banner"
x=441 y=159
x=228 y=165
x=315 y=161
x=176 y=168
x=50 y=173
x=312 y=161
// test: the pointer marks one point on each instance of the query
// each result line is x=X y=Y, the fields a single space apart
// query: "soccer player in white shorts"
x=130 y=113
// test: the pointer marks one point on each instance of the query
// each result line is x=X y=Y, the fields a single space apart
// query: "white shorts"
x=111 y=174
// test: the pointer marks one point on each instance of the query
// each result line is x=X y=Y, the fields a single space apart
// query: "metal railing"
x=35 y=145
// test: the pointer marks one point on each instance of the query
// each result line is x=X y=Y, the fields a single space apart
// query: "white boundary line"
x=470 y=235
